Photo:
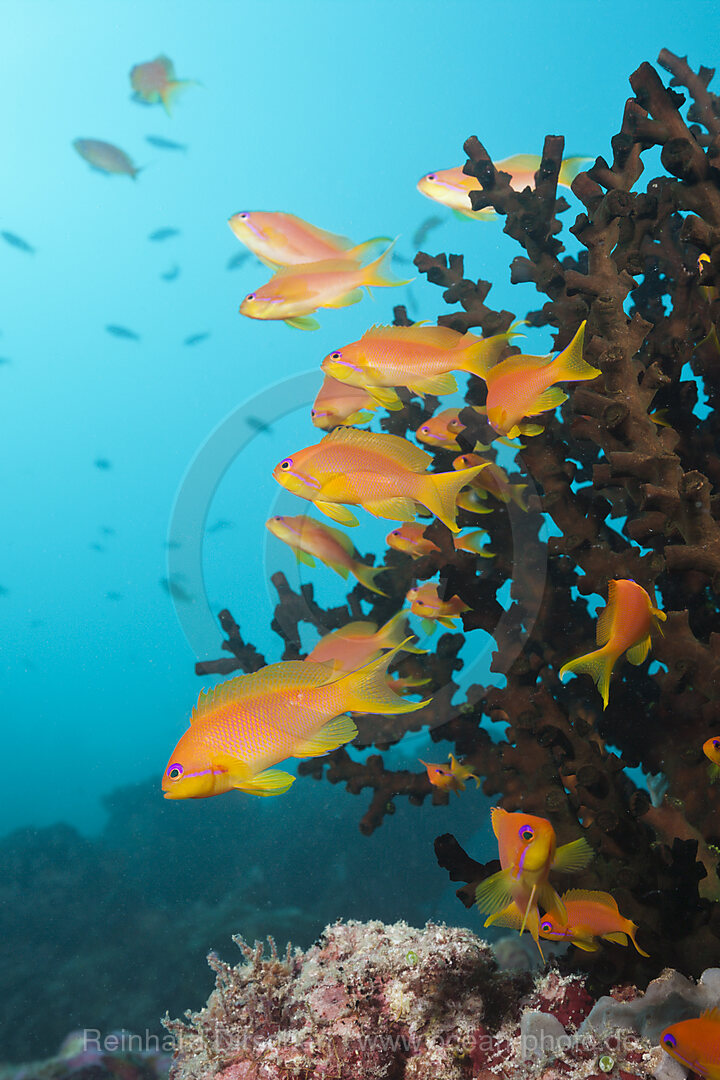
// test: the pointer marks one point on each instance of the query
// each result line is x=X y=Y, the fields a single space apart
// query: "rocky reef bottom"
x=370 y=1001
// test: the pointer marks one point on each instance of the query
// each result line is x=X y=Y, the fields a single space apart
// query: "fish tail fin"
x=570 y=168
x=394 y=632
x=361 y=252
x=631 y=932
x=170 y=92
x=598 y=665
x=481 y=354
x=368 y=690
x=366 y=576
x=440 y=490
x=569 y=366
x=378 y=271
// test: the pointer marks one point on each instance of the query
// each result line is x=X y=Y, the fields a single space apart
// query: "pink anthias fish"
x=358 y=643
x=452 y=187
x=154 y=83
x=337 y=403
x=280 y=239
x=105 y=157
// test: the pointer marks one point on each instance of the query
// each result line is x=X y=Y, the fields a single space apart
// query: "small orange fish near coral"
x=473 y=542
x=154 y=83
x=696 y=1044
x=590 y=915
x=338 y=403
x=450 y=777
x=311 y=540
x=624 y=626
x=242 y=727
x=493 y=479
x=452 y=187
x=442 y=430
x=711 y=750
x=425 y=602
x=524 y=386
x=528 y=852
x=385 y=474
x=357 y=643
x=410 y=539
x=280 y=239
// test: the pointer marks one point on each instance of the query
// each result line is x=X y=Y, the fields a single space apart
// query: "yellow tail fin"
x=171 y=91
x=599 y=665
x=362 y=251
x=440 y=490
x=366 y=576
x=368 y=691
x=570 y=168
x=395 y=633
x=378 y=271
x=569 y=366
x=481 y=354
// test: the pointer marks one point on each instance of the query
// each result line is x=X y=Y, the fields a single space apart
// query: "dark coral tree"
x=628 y=474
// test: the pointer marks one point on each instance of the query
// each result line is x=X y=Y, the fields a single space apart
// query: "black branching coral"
x=628 y=473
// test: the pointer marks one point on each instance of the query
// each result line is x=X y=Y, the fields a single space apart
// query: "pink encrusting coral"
x=370 y=1001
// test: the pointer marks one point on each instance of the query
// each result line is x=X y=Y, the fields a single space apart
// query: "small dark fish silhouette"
x=220 y=526
x=122 y=332
x=172 y=545
x=257 y=424
x=237 y=260
x=17 y=242
x=97 y=547
x=163 y=234
x=4 y=591
x=5 y=360
x=170 y=275
x=102 y=463
x=424 y=228
x=107 y=530
x=195 y=339
x=113 y=596
x=176 y=590
x=164 y=144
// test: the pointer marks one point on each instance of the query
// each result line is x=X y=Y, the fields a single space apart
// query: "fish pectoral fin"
x=338 y=568
x=385 y=396
x=637 y=654
x=552 y=903
x=302 y=322
x=509 y=917
x=234 y=767
x=335 y=733
x=399 y=509
x=586 y=944
x=303 y=557
x=446 y=621
x=337 y=512
x=434 y=384
x=428 y=625
x=270 y=782
x=352 y=297
x=617 y=936
x=570 y=858
x=494 y=893
x=549 y=399
x=530 y=429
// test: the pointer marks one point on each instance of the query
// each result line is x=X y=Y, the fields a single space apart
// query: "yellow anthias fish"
x=623 y=626
x=473 y=542
x=528 y=852
x=154 y=83
x=242 y=727
x=425 y=602
x=293 y=293
x=452 y=187
x=357 y=643
x=280 y=239
x=422 y=358
x=105 y=157
x=450 y=777
x=311 y=540
x=524 y=386
x=384 y=474
x=338 y=403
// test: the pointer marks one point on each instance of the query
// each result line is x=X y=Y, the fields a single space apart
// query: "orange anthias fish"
x=311 y=540
x=357 y=643
x=711 y=750
x=452 y=187
x=154 y=83
x=280 y=239
x=624 y=625
x=492 y=480
x=524 y=386
x=425 y=602
x=528 y=853
x=385 y=474
x=590 y=915
x=696 y=1044
x=442 y=430
x=293 y=293
x=473 y=542
x=710 y=292
x=410 y=538
x=242 y=727
x=422 y=358
x=337 y=403
x=450 y=777
x=105 y=157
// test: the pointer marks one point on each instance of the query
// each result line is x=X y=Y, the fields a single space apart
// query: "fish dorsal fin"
x=712 y=1014
x=287 y=675
x=397 y=449
x=497 y=815
x=578 y=896
x=360 y=628
x=518 y=163
x=573 y=857
x=606 y=616
x=342 y=538
x=441 y=337
x=342 y=243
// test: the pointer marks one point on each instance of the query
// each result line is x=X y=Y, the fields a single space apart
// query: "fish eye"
x=250 y=296
x=430 y=176
x=526 y=833
x=175 y=771
x=286 y=464
x=335 y=355
x=546 y=927
x=669 y=1040
x=425 y=429
x=244 y=216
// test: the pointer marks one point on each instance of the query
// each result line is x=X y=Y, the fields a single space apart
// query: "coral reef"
x=624 y=477
x=377 y=1002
